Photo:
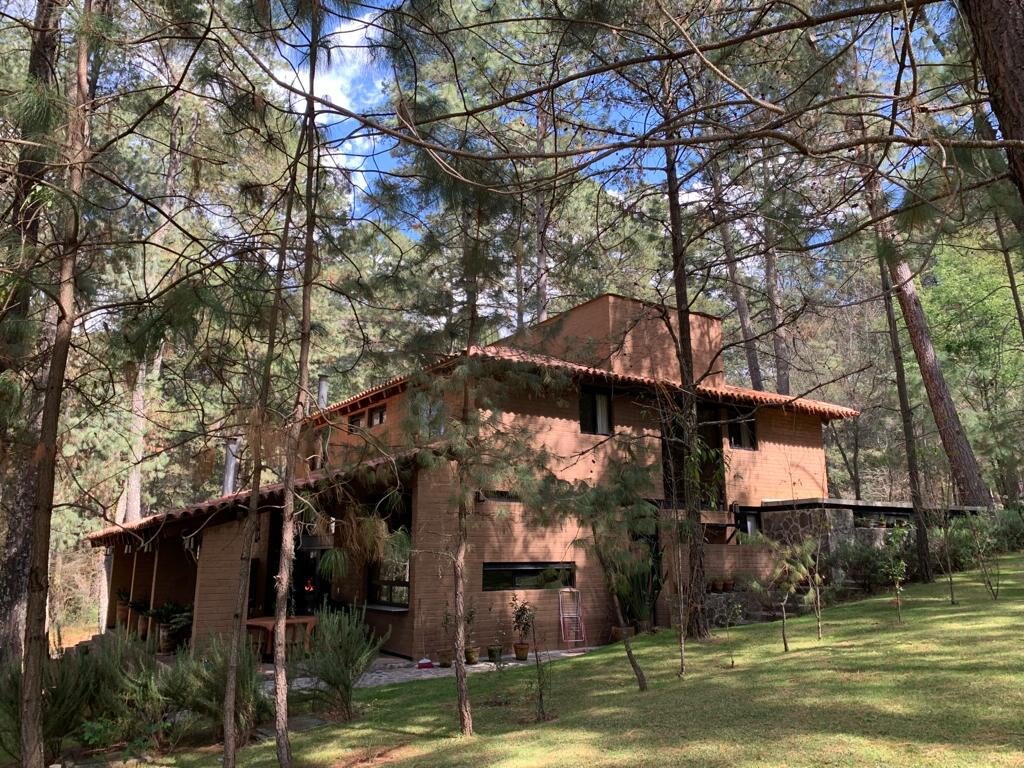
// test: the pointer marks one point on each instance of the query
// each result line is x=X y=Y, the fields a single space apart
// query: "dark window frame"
x=588 y=409
x=381 y=592
x=375 y=412
x=743 y=431
x=355 y=421
x=500 y=576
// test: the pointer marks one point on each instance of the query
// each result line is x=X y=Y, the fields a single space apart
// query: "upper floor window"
x=377 y=415
x=355 y=422
x=595 y=411
x=743 y=431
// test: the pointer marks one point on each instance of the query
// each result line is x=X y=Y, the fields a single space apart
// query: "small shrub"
x=342 y=649
x=66 y=689
x=195 y=683
x=861 y=564
x=1009 y=530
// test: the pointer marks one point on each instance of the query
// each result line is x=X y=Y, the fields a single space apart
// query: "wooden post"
x=131 y=593
x=152 y=590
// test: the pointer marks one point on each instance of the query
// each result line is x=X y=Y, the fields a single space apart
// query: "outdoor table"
x=265 y=625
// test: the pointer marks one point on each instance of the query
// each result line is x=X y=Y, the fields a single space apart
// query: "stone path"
x=390 y=670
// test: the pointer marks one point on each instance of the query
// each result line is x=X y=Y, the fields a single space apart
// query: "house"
x=615 y=359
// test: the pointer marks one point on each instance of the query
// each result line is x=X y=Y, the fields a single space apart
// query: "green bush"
x=195 y=683
x=66 y=692
x=342 y=649
x=861 y=564
x=1009 y=530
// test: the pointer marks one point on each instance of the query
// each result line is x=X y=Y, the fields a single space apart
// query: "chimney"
x=230 y=467
x=321 y=392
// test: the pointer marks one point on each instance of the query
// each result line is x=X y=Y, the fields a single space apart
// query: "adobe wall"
x=552 y=423
x=628 y=337
x=737 y=563
x=789 y=462
x=498 y=532
x=217 y=580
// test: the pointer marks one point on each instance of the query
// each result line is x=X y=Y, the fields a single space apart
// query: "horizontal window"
x=355 y=421
x=510 y=576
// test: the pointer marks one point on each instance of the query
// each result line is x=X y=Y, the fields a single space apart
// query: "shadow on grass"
x=942 y=689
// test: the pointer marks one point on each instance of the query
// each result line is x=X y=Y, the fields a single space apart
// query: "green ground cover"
x=945 y=689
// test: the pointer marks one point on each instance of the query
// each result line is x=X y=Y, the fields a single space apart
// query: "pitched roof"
x=228 y=501
x=726 y=393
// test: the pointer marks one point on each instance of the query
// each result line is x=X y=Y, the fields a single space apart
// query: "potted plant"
x=472 y=653
x=496 y=649
x=619 y=633
x=171 y=621
x=523 y=616
x=140 y=612
x=121 y=612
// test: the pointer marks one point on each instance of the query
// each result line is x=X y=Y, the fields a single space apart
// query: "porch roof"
x=860 y=507
x=723 y=393
x=269 y=493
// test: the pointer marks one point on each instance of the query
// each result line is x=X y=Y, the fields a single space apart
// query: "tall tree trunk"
x=907 y=421
x=25 y=221
x=541 y=224
x=251 y=523
x=780 y=343
x=470 y=274
x=287 y=558
x=696 y=621
x=1010 y=273
x=962 y=462
x=45 y=458
x=739 y=295
x=997 y=28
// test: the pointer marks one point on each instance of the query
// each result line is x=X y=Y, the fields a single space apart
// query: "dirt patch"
x=377 y=756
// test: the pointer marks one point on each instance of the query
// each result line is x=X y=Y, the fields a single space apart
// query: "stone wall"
x=833 y=526
x=872 y=537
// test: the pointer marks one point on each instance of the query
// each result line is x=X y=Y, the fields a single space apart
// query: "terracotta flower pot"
x=643 y=627
x=444 y=658
x=729 y=585
x=618 y=633
x=164 y=639
x=494 y=653
x=472 y=654
x=522 y=651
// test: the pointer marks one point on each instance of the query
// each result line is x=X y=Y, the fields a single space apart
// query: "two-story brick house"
x=614 y=358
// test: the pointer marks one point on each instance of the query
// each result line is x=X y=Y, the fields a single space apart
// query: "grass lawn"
x=945 y=689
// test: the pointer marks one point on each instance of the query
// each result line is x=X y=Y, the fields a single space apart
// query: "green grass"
x=946 y=688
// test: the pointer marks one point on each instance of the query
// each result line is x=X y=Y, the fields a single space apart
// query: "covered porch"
x=191 y=557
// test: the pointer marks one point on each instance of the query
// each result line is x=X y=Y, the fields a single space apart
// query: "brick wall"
x=217 y=580
x=498 y=532
x=789 y=462
x=722 y=562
